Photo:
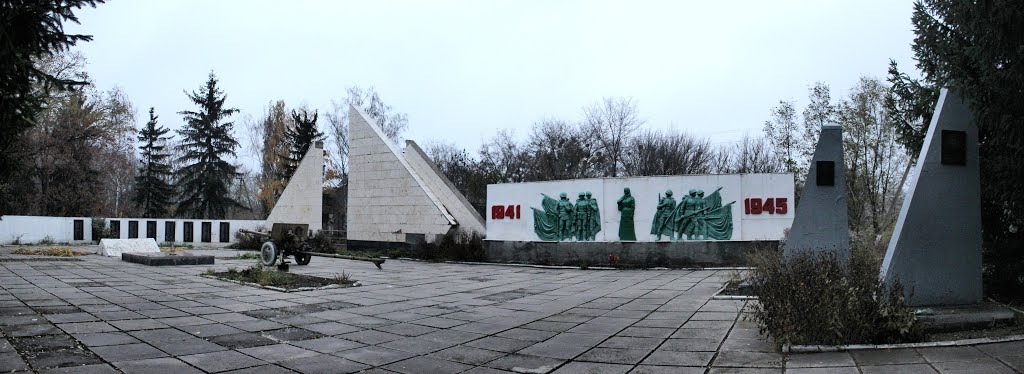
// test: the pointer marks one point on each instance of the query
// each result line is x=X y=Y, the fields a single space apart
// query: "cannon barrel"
x=257 y=233
x=375 y=260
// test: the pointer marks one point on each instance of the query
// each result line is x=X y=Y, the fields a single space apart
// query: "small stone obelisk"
x=820 y=224
x=935 y=251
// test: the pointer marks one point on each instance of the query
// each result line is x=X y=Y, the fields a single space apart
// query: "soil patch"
x=275 y=279
x=52 y=251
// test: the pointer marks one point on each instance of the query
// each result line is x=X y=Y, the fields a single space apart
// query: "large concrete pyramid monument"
x=397 y=197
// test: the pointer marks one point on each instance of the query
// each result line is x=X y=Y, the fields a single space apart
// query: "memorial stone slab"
x=935 y=250
x=821 y=223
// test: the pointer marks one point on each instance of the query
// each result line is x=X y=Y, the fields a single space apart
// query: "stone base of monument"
x=964 y=317
x=167 y=259
x=673 y=254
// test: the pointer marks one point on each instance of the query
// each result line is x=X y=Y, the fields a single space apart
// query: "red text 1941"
x=502 y=212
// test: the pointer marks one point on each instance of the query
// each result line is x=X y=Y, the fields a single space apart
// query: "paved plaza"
x=101 y=315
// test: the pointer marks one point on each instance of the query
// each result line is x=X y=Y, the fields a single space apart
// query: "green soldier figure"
x=565 y=215
x=700 y=225
x=684 y=215
x=627 y=205
x=662 y=224
x=582 y=217
x=593 y=218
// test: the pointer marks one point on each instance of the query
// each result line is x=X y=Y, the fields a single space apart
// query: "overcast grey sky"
x=462 y=70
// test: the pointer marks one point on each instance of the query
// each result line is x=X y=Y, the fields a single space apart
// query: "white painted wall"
x=735 y=187
x=33 y=229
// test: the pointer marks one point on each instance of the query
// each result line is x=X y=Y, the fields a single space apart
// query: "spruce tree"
x=30 y=31
x=153 y=191
x=206 y=178
x=299 y=139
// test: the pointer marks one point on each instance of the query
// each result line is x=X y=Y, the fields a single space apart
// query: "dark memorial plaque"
x=115 y=229
x=954 y=147
x=79 y=229
x=225 y=232
x=169 y=231
x=133 y=229
x=151 y=229
x=188 y=232
x=207 y=232
x=825 y=173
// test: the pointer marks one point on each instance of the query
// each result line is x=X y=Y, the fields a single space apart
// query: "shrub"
x=46 y=240
x=813 y=298
x=453 y=246
x=321 y=242
x=99 y=229
x=248 y=241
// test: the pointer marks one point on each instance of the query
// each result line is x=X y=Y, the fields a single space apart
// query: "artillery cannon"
x=292 y=239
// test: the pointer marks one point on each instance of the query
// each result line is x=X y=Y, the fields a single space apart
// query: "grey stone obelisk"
x=935 y=251
x=820 y=224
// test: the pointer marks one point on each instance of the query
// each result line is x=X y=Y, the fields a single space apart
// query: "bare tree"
x=654 y=152
x=560 y=150
x=503 y=159
x=875 y=161
x=753 y=155
x=784 y=134
x=611 y=121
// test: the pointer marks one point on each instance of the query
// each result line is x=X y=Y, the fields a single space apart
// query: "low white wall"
x=33 y=229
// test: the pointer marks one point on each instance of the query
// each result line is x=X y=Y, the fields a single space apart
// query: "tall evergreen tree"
x=299 y=138
x=153 y=191
x=206 y=178
x=30 y=31
x=977 y=47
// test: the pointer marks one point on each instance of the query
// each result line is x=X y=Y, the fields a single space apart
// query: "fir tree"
x=206 y=178
x=30 y=31
x=153 y=191
x=299 y=139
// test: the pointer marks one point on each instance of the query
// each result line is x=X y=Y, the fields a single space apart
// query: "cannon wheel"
x=302 y=258
x=268 y=254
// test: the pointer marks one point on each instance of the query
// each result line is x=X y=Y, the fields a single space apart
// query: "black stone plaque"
x=133 y=229
x=825 y=173
x=207 y=232
x=115 y=229
x=225 y=232
x=79 y=229
x=954 y=147
x=169 y=231
x=187 y=231
x=151 y=229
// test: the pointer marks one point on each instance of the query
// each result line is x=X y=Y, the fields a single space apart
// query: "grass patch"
x=246 y=256
x=52 y=251
x=270 y=277
x=815 y=298
x=172 y=249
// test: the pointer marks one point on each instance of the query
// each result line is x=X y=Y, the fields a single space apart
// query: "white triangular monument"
x=303 y=200
x=395 y=197
x=935 y=250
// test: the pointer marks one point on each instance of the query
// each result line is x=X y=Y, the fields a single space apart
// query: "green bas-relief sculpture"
x=593 y=223
x=561 y=220
x=627 y=205
x=703 y=218
x=663 y=224
x=547 y=223
x=695 y=217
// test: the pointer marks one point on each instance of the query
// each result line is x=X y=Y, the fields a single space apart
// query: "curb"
x=858 y=347
x=279 y=289
x=561 y=267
